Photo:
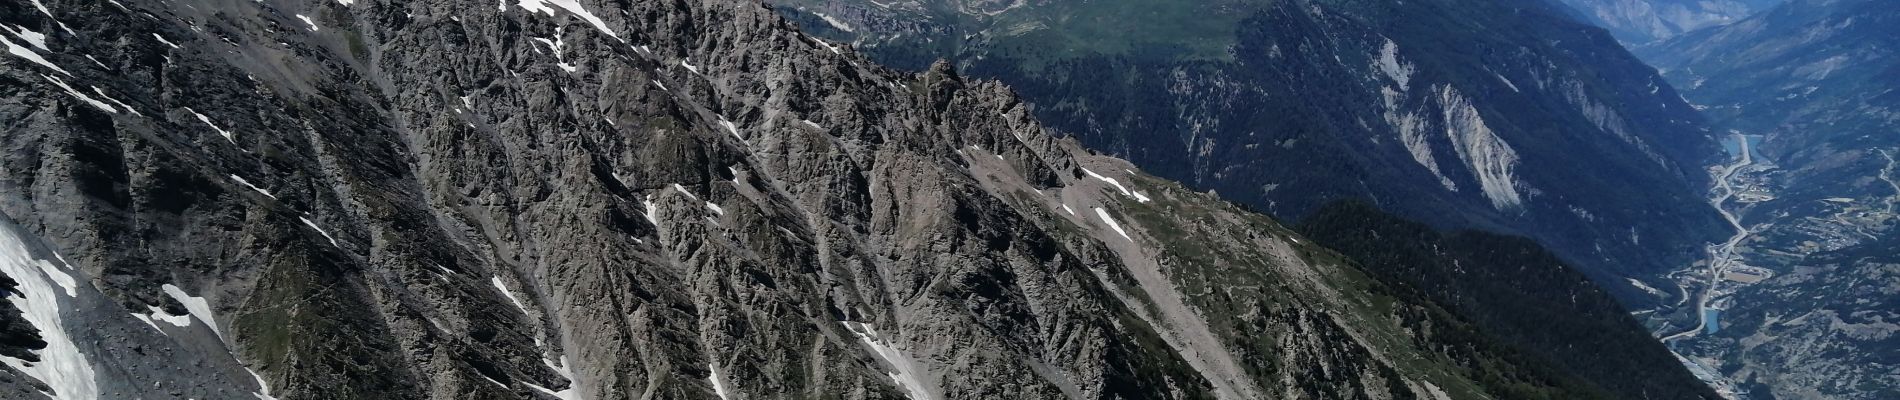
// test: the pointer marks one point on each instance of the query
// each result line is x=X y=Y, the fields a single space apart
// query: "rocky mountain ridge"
x=605 y=200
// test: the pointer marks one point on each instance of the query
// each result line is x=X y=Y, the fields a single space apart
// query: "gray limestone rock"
x=616 y=200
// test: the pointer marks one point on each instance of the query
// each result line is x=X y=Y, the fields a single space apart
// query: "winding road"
x=1723 y=256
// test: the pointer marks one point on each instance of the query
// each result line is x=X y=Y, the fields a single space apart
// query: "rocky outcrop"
x=616 y=200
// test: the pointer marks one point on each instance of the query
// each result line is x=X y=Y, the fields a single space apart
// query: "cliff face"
x=608 y=200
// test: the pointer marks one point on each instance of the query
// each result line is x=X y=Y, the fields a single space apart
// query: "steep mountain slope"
x=617 y=200
x=1514 y=289
x=1809 y=88
x=1502 y=117
x=1639 y=22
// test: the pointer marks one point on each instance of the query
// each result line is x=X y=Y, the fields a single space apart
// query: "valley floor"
x=1760 y=250
x=1710 y=274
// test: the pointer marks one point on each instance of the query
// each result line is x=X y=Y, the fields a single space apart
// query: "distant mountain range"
x=1511 y=117
x=1640 y=22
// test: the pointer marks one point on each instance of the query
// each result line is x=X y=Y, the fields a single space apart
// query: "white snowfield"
x=43 y=291
x=30 y=55
x=196 y=306
x=904 y=372
x=510 y=294
x=326 y=234
x=228 y=136
x=161 y=39
x=241 y=181
x=718 y=383
x=651 y=212
x=33 y=38
x=572 y=7
x=1111 y=223
x=1138 y=196
x=199 y=308
x=102 y=106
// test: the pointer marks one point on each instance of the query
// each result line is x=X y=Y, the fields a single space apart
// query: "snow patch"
x=207 y=120
x=155 y=315
x=718 y=383
x=263 y=387
x=33 y=38
x=161 y=39
x=1065 y=207
x=196 y=306
x=715 y=208
x=828 y=46
x=61 y=365
x=121 y=104
x=563 y=394
x=510 y=294
x=572 y=7
x=1117 y=184
x=81 y=96
x=240 y=180
x=148 y=321
x=49 y=15
x=29 y=55
x=326 y=235
x=559 y=47
x=651 y=211
x=1099 y=212
x=560 y=367
x=159 y=314
x=306 y=20
x=496 y=382
x=904 y=372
